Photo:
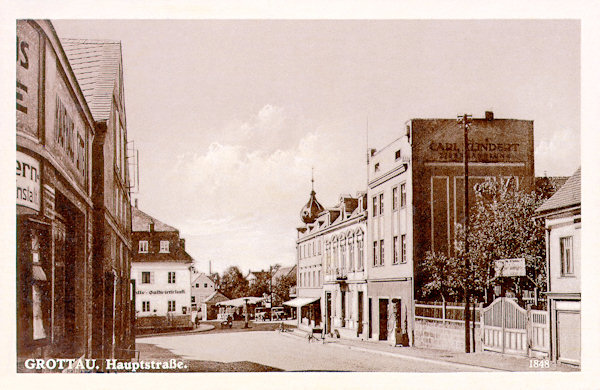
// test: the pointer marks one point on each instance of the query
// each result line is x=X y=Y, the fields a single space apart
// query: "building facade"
x=202 y=287
x=562 y=214
x=98 y=67
x=416 y=196
x=54 y=135
x=161 y=270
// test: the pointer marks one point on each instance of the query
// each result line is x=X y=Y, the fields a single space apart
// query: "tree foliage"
x=501 y=226
x=281 y=288
x=233 y=284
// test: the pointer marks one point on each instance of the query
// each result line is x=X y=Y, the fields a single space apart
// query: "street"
x=285 y=352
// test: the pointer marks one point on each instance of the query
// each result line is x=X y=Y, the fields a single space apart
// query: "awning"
x=301 y=301
x=240 y=302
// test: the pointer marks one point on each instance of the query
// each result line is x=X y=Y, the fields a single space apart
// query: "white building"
x=161 y=269
x=562 y=213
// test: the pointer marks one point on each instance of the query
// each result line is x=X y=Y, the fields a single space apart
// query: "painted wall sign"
x=28 y=181
x=160 y=292
x=510 y=267
x=28 y=42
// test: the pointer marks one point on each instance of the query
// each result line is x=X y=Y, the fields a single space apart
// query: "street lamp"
x=465 y=120
x=246 y=316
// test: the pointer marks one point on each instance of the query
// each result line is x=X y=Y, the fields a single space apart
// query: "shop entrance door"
x=360 y=313
x=328 y=312
x=383 y=319
x=370 y=317
x=59 y=315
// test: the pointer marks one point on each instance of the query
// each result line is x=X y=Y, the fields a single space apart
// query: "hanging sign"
x=28 y=181
x=510 y=267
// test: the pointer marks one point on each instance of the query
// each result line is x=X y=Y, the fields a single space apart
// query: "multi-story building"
x=54 y=135
x=343 y=230
x=161 y=269
x=415 y=198
x=98 y=67
x=562 y=213
x=202 y=287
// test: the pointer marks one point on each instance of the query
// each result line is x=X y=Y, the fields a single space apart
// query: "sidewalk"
x=478 y=361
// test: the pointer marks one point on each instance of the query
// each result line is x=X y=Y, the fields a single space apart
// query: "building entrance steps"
x=478 y=361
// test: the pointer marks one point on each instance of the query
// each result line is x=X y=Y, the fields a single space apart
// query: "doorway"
x=328 y=312
x=383 y=319
x=370 y=317
x=360 y=313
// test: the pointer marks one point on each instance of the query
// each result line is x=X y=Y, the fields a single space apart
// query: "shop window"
x=171 y=277
x=143 y=247
x=171 y=306
x=566 y=256
x=164 y=246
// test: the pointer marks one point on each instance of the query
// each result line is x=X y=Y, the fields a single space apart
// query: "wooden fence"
x=445 y=312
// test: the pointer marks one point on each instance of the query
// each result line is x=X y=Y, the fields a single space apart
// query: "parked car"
x=262 y=314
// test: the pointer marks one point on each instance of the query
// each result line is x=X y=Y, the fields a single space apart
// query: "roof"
x=140 y=222
x=567 y=196
x=283 y=271
x=96 y=65
x=239 y=302
x=216 y=296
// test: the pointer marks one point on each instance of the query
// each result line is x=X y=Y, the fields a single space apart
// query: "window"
x=380 y=204
x=360 y=254
x=381 y=261
x=164 y=246
x=403 y=195
x=147 y=277
x=171 y=306
x=197 y=284
x=375 y=254
x=351 y=255
x=143 y=247
x=193 y=299
x=205 y=285
x=403 y=246
x=171 y=277
x=395 y=198
x=374 y=206
x=146 y=306
x=398 y=154
x=566 y=256
x=376 y=167
x=343 y=255
x=396 y=254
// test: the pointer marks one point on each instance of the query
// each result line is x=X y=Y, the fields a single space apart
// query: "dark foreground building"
x=73 y=208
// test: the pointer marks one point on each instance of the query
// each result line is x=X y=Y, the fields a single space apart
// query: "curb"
x=464 y=366
x=179 y=333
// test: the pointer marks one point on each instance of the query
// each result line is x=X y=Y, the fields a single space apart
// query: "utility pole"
x=465 y=120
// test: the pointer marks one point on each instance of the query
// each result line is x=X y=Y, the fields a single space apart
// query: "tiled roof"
x=568 y=195
x=96 y=65
x=140 y=222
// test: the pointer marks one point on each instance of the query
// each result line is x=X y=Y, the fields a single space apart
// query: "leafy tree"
x=233 y=284
x=281 y=288
x=501 y=226
x=261 y=285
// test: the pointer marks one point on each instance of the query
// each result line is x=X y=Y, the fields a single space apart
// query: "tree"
x=233 y=284
x=281 y=288
x=261 y=285
x=502 y=226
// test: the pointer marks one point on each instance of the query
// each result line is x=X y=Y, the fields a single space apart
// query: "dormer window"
x=376 y=167
x=398 y=155
x=164 y=246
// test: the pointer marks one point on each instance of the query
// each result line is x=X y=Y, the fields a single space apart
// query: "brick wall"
x=446 y=336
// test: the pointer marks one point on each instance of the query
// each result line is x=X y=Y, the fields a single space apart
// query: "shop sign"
x=27 y=77
x=160 y=292
x=28 y=181
x=510 y=267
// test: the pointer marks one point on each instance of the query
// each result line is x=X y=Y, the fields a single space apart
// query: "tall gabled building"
x=98 y=66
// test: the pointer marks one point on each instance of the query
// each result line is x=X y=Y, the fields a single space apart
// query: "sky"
x=229 y=116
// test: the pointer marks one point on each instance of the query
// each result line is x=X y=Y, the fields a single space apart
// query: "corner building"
x=54 y=134
x=416 y=195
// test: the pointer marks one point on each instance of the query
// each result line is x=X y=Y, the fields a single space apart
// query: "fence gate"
x=508 y=328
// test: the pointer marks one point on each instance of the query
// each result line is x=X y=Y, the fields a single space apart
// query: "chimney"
x=489 y=115
x=209 y=268
x=136 y=203
x=182 y=243
x=151 y=225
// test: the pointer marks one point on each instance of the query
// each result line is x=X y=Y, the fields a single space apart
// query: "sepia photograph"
x=300 y=195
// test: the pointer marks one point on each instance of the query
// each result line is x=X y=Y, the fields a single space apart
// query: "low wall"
x=448 y=336
x=159 y=323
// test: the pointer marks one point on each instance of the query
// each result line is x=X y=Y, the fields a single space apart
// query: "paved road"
x=285 y=352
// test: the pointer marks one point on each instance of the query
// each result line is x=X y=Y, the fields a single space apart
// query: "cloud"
x=555 y=154
x=244 y=192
